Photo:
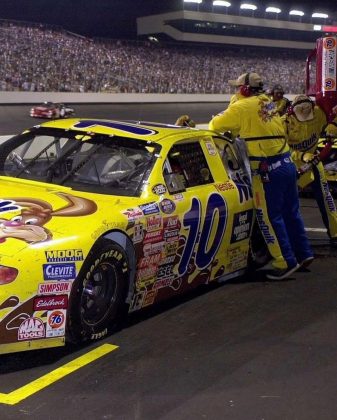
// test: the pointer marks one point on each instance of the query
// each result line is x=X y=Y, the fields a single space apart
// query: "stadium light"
x=193 y=1
x=320 y=15
x=221 y=3
x=248 y=6
x=273 y=10
x=296 y=13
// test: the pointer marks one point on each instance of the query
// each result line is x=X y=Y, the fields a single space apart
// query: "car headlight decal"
x=7 y=274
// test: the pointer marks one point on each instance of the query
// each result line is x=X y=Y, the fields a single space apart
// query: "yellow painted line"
x=35 y=386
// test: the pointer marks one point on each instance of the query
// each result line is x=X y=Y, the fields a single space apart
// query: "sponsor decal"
x=328 y=197
x=224 y=186
x=168 y=260
x=237 y=259
x=329 y=84
x=165 y=272
x=64 y=255
x=161 y=283
x=171 y=248
x=54 y=287
x=241 y=226
x=167 y=206
x=171 y=222
x=149 y=260
x=150 y=297
x=138 y=234
x=159 y=189
x=171 y=235
x=243 y=185
x=178 y=197
x=329 y=43
x=137 y=301
x=154 y=223
x=56 y=323
x=59 y=271
x=269 y=238
x=31 y=329
x=149 y=208
x=153 y=248
x=151 y=237
x=133 y=214
x=146 y=272
x=8 y=205
x=329 y=64
x=210 y=148
x=49 y=303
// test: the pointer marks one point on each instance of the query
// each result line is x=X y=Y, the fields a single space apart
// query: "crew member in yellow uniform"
x=274 y=178
x=281 y=102
x=304 y=124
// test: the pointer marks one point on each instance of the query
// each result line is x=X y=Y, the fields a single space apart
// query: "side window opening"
x=234 y=157
x=186 y=167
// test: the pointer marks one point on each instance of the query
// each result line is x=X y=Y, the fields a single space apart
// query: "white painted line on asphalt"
x=315 y=229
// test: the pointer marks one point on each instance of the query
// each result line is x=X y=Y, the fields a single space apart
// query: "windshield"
x=85 y=161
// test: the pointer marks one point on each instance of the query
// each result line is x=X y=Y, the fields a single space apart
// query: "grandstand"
x=193 y=50
x=38 y=58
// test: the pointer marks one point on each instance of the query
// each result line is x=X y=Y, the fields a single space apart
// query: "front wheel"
x=97 y=300
x=259 y=255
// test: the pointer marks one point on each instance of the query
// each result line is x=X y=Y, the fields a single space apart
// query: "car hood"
x=34 y=213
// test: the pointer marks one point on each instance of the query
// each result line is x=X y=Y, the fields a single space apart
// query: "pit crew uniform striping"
x=274 y=186
x=302 y=137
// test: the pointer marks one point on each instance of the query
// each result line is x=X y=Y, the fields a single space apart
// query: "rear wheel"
x=97 y=300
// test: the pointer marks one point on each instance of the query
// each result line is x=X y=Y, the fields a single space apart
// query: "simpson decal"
x=54 y=287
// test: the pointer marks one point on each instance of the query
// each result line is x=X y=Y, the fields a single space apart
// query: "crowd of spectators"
x=40 y=58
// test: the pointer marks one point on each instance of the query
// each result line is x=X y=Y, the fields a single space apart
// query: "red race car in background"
x=51 y=110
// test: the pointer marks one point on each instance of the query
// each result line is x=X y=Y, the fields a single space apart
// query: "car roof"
x=149 y=131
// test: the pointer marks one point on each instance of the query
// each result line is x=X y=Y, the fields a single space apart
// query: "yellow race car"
x=100 y=218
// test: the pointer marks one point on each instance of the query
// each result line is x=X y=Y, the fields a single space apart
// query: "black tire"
x=97 y=299
x=258 y=253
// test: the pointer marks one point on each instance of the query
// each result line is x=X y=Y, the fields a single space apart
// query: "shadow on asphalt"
x=15 y=362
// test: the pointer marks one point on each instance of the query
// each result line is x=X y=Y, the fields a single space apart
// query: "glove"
x=313 y=159
x=310 y=159
x=331 y=130
x=185 y=121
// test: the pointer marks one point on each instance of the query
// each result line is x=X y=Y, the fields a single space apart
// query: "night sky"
x=108 y=18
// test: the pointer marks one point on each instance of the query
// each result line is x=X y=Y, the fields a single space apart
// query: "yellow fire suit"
x=281 y=105
x=302 y=138
x=274 y=186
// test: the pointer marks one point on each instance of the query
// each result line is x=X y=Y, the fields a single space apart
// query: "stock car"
x=51 y=110
x=330 y=165
x=102 y=218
